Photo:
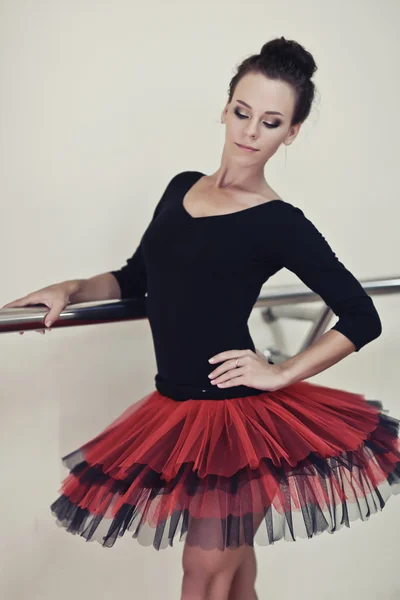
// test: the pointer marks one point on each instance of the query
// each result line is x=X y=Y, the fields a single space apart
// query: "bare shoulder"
x=269 y=194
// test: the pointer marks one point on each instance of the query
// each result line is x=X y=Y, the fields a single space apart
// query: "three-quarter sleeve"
x=132 y=277
x=300 y=247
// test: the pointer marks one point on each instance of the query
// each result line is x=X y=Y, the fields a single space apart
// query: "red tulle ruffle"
x=304 y=459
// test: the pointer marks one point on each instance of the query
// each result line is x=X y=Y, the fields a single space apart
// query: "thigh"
x=205 y=547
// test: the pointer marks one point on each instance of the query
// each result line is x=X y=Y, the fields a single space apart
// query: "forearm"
x=329 y=349
x=99 y=287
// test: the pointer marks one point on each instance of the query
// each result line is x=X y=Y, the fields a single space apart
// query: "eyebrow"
x=267 y=112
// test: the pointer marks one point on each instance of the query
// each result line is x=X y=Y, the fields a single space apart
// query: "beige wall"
x=101 y=103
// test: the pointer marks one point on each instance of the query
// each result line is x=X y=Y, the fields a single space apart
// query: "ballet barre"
x=275 y=303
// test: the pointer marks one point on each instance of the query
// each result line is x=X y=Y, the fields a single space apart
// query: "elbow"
x=361 y=329
x=372 y=325
x=375 y=327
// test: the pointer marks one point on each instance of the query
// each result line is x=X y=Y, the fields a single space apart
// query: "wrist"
x=73 y=287
x=283 y=376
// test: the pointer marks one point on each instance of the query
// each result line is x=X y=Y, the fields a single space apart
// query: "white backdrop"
x=101 y=103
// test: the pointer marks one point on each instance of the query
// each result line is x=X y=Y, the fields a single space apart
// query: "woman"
x=229 y=444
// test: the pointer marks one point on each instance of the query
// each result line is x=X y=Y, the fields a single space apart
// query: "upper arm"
x=301 y=248
x=132 y=277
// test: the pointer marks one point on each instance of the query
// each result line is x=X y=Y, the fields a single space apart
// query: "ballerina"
x=229 y=448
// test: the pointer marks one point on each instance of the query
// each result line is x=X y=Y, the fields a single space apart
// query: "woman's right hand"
x=55 y=297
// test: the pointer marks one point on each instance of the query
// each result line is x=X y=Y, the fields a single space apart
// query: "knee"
x=199 y=565
x=204 y=565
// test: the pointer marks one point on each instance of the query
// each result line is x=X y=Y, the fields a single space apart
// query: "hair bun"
x=281 y=51
x=285 y=61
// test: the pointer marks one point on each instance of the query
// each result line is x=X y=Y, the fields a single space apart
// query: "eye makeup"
x=268 y=125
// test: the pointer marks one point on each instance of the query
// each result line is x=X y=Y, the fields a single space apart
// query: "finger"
x=227 y=354
x=226 y=366
x=229 y=375
x=12 y=304
x=233 y=381
x=218 y=371
x=221 y=370
x=38 y=331
x=20 y=302
x=53 y=314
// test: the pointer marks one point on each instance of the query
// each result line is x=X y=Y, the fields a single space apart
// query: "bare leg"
x=208 y=574
x=211 y=573
x=244 y=578
x=208 y=567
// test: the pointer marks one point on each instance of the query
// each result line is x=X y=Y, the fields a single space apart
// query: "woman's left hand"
x=245 y=367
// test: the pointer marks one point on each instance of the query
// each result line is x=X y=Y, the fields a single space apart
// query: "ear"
x=292 y=134
x=224 y=112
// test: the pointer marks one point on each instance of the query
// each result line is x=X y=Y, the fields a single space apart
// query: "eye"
x=268 y=125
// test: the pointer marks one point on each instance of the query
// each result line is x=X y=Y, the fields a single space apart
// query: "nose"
x=252 y=129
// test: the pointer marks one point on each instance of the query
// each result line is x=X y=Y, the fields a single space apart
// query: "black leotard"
x=203 y=276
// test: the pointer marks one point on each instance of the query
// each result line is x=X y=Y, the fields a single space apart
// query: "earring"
x=285 y=155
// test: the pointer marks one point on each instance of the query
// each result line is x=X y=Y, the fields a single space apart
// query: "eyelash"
x=268 y=125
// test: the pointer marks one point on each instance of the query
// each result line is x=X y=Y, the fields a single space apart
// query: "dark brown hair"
x=287 y=61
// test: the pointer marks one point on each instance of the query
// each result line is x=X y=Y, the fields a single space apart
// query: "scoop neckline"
x=236 y=212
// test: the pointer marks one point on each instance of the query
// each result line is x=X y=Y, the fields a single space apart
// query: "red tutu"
x=221 y=473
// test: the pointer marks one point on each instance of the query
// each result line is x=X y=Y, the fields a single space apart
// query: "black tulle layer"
x=262 y=504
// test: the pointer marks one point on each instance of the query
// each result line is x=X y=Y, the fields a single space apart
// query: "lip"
x=249 y=148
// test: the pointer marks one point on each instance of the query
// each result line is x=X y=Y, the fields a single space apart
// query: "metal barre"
x=94 y=313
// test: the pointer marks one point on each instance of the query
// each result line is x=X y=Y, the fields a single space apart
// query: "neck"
x=234 y=173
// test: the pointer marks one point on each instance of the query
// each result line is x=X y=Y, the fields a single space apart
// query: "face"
x=248 y=124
